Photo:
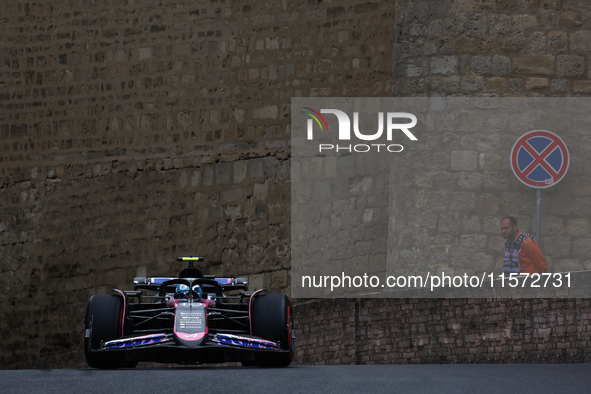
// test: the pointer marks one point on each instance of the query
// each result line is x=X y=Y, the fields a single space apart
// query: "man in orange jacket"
x=522 y=253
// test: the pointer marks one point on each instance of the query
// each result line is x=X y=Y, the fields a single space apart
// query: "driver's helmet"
x=182 y=291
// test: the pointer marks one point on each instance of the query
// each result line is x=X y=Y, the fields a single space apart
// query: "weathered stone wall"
x=453 y=188
x=416 y=331
x=493 y=48
x=134 y=132
x=458 y=183
x=475 y=48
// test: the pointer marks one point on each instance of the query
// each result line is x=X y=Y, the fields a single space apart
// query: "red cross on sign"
x=539 y=159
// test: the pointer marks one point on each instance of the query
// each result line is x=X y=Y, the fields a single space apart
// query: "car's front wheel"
x=104 y=319
x=272 y=319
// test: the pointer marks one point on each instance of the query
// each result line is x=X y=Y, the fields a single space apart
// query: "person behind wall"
x=522 y=253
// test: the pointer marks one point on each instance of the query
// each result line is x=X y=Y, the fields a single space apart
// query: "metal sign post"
x=539 y=216
x=539 y=159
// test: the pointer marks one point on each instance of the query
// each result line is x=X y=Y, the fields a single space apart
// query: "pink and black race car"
x=191 y=319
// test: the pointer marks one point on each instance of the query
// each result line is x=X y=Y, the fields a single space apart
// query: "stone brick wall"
x=456 y=194
x=475 y=48
x=492 y=48
x=134 y=132
x=418 y=331
x=454 y=187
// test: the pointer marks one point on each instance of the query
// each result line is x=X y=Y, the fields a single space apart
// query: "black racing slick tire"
x=104 y=319
x=272 y=320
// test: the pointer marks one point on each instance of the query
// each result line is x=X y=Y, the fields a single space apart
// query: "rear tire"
x=272 y=320
x=105 y=310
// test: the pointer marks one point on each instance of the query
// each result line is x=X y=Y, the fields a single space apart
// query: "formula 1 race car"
x=191 y=319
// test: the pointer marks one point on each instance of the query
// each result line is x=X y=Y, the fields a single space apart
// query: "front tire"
x=272 y=319
x=105 y=310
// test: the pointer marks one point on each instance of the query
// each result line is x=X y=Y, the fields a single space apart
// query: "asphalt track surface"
x=463 y=378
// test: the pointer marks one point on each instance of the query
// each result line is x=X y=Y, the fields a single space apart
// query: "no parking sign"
x=539 y=159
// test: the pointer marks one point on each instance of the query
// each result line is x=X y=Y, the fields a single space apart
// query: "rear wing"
x=153 y=283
